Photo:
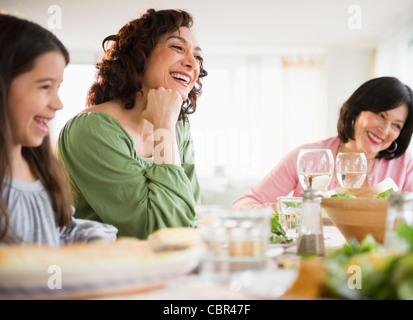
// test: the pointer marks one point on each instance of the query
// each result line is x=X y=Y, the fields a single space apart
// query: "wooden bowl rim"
x=353 y=203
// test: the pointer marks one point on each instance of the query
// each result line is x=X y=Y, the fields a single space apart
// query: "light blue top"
x=32 y=219
x=31 y=215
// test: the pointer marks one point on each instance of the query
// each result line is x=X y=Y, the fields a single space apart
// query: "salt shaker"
x=399 y=211
x=311 y=237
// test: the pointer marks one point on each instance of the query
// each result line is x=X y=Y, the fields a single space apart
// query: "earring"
x=394 y=149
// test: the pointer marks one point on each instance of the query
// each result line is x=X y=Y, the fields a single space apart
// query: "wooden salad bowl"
x=357 y=217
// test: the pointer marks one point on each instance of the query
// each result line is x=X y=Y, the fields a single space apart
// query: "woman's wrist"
x=165 y=146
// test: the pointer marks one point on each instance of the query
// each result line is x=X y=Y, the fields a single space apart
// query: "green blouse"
x=112 y=184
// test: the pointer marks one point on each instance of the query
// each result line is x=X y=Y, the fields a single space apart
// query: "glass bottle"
x=399 y=211
x=311 y=237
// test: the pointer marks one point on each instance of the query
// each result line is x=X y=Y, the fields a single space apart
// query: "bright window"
x=76 y=82
x=253 y=110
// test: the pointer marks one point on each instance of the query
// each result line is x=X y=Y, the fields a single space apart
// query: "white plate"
x=98 y=281
x=267 y=283
x=273 y=251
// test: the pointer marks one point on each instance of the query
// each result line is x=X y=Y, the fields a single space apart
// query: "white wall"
x=347 y=69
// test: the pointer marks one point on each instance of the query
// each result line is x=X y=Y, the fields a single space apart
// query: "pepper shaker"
x=311 y=237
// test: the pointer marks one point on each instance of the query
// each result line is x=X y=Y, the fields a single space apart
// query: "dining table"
x=192 y=286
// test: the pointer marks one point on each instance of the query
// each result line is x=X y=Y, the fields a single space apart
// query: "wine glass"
x=315 y=168
x=351 y=169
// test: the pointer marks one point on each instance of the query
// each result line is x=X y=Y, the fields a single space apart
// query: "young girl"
x=35 y=204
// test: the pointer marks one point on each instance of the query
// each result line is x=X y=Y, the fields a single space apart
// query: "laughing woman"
x=129 y=155
x=377 y=120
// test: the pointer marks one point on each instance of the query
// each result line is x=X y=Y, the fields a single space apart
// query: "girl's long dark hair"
x=21 y=42
x=121 y=69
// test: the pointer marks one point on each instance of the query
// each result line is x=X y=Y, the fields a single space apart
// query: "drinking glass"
x=351 y=169
x=315 y=168
x=236 y=240
x=290 y=215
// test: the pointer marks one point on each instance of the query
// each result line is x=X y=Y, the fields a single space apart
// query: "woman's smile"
x=374 y=138
x=182 y=78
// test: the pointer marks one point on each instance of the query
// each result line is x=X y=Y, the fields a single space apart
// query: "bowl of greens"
x=357 y=217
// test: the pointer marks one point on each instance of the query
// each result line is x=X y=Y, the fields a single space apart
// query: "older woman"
x=377 y=120
x=129 y=155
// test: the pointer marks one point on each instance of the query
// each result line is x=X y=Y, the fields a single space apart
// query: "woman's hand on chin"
x=163 y=107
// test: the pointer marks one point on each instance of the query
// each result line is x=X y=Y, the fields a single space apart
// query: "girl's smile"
x=33 y=99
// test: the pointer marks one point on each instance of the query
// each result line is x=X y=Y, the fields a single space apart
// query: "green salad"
x=347 y=195
x=278 y=234
x=382 y=276
x=343 y=195
x=384 y=194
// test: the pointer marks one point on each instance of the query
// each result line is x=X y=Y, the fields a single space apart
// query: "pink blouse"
x=283 y=178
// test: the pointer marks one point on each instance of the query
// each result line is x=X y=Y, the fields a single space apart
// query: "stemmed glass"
x=315 y=168
x=351 y=169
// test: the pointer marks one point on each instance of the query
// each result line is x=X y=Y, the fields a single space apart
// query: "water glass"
x=315 y=168
x=351 y=169
x=399 y=212
x=236 y=240
x=289 y=209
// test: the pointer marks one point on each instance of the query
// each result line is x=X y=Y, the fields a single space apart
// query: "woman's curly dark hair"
x=121 y=69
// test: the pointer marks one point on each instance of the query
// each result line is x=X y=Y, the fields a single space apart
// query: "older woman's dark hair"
x=378 y=95
x=121 y=70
